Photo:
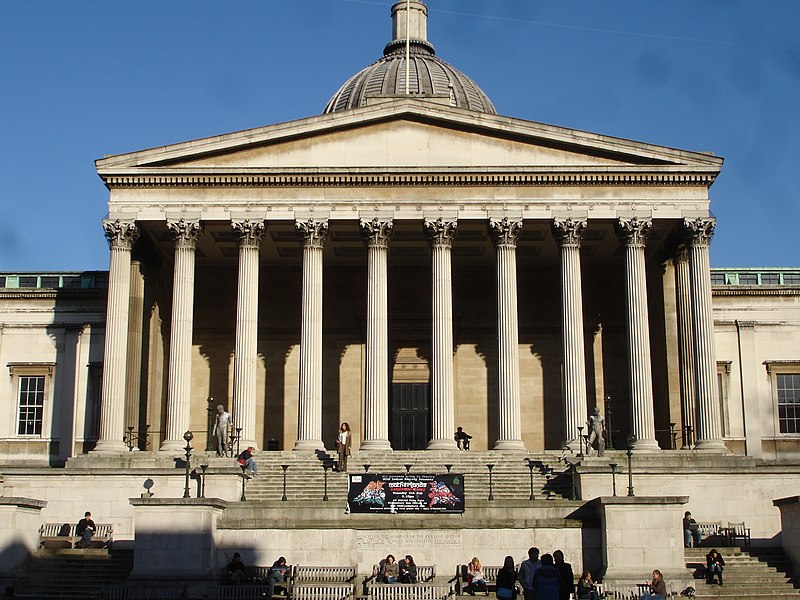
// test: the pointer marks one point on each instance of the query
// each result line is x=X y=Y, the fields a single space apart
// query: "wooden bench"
x=63 y=535
x=132 y=593
x=489 y=572
x=738 y=531
x=245 y=591
x=409 y=591
x=712 y=533
x=424 y=573
x=309 y=574
x=322 y=591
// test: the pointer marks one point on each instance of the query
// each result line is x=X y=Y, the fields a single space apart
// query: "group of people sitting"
x=391 y=571
x=278 y=573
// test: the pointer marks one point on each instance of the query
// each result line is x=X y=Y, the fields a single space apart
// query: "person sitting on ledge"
x=462 y=438
x=236 y=570
x=246 y=459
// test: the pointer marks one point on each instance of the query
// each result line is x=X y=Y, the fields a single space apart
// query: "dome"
x=429 y=77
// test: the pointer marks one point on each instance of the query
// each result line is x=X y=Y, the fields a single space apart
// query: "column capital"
x=185 y=233
x=633 y=231
x=312 y=232
x=568 y=232
x=440 y=232
x=120 y=234
x=504 y=231
x=376 y=233
x=251 y=233
x=698 y=232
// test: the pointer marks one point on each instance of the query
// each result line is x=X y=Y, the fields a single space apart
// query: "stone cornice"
x=730 y=290
x=446 y=177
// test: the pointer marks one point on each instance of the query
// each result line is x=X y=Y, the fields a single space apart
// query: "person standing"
x=714 y=566
x=527 y=571
x=85 y=530
x=507 y=580
x=547 y=581
x=567 y=576
x=343 y=443
x=220 y=433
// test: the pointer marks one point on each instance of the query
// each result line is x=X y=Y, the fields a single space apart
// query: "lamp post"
x=188 y=449
x=366 y=468
x=448 y=467
x=203 y=480
x=613 y=478
x=325 y=492
x=673 y=436
x=580 y=441
x=210 y=424
x=408 y=468
x=530 y=471
x=284 y=467
x=631 y=441
x=491 y=489
x=243 y=497
x=238 y=439
x=129 y=438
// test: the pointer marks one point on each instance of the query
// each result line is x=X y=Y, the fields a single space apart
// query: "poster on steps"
x=405 y=493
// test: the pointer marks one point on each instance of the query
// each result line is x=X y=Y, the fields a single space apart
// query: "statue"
x=597 y=431
x=220 y=433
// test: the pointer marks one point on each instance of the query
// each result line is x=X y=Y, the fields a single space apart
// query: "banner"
x=406 y=493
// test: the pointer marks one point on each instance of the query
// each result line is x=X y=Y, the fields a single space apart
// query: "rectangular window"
x=748 y=278
x=717 y=278
x=31 y=404
x=791 y=278
x=788 y=389
x=2 y=281
x=50 y=281
x=770 y=279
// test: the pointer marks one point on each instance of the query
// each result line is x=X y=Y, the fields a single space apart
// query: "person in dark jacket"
x=85 y=530
x=714 y=565
x=507 y=580
x=587 y=590
x=408 y=570
x=547 y=581
x=236 y=570
x=567 y=576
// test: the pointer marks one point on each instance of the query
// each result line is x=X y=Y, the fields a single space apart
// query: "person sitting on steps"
x=462 y=438
x=714 y=566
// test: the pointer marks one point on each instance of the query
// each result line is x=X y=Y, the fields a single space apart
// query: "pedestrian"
x=506 y=580
x=567 y=576
x=344 y=440
x=547 y=581
x=527 y=571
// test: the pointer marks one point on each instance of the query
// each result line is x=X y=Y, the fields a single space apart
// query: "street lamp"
x=366 y=468
x=580 y=441
x=284 y=467
x=491 y=490
x=631 y=441
x=325 y=467
x=210 y=424
x=188 y=449
x=203 y=469
x=243 y=497
x=408 y=468
x=530 y=470
x=448 y=467
x=613 y=477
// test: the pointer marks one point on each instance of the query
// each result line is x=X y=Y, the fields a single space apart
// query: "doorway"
x=410 y=416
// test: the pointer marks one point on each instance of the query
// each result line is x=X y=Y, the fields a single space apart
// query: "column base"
x=712 y=445
x=309 y=445
x=442 y=444
x=376 y=445
x=110 y=447
x=176 y=446
x=515 y=445
x=646 y=446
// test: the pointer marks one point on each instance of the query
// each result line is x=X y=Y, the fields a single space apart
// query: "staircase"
x=758 y=573
x=511 y=477
x=73 y=574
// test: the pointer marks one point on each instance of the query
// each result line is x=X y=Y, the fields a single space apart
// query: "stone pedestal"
x=20 y=520
x=790 y=527
x=640 y=534
x=176 y=538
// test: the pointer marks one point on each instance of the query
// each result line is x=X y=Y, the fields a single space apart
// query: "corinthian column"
x=440 y=236
x=683 y=297
x=309 y=426
x=186 y=234
x=709 y=430
x=251 y=234
x=633 y=232
x=568 y=234
x=504 y=235
x=121 y=237
x=376 y=422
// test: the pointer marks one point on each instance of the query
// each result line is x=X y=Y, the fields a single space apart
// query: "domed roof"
x=429 y=77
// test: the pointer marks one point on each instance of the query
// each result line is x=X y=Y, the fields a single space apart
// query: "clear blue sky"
x=83 y=78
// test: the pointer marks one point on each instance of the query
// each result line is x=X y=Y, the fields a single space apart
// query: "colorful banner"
x=406 y=493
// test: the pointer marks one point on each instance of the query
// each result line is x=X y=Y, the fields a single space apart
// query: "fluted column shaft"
x=568 y=233
x=709 y=428
x=376 y=406
x=640 y=379
x=504 y=235
x=135 y=323
x=251 y=234
x=309 y=426
x=683 y=298
x=121 y=237
x=440 y=235
x=186 y=234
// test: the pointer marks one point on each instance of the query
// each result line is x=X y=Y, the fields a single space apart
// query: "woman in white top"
x=343 y=442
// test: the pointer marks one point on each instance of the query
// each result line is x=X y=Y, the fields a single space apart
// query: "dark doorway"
x=410 y=416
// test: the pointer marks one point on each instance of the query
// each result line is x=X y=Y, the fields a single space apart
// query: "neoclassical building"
x=409 y=261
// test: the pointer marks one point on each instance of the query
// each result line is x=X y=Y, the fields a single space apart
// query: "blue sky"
x=85 y=78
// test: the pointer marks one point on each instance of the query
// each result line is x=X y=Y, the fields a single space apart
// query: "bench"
x=738 y=531
x=63 y=535
x=599 y=587
x=245 y=591
x=304 y=574
x=409 y=591
x=424 y=573
x=131 y=593
x=712 y=532
x=489 y=572
x=322 y=591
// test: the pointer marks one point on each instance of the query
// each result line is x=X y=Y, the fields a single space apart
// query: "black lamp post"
x=613 y=478
x=129 y=438
x=366 y=468
x=448 y=467
x=325 y=492
x=530 y=470
x=238 y=439
x=491 y=489
x=243 y=497
x=203 y=480
x=631 y=441
x=580 y=441
x=408 y=468
x=210 y=425
x=284 y=467
x=188 y=449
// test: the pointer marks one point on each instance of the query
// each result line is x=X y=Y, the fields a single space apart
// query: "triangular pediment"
x=401 y=134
